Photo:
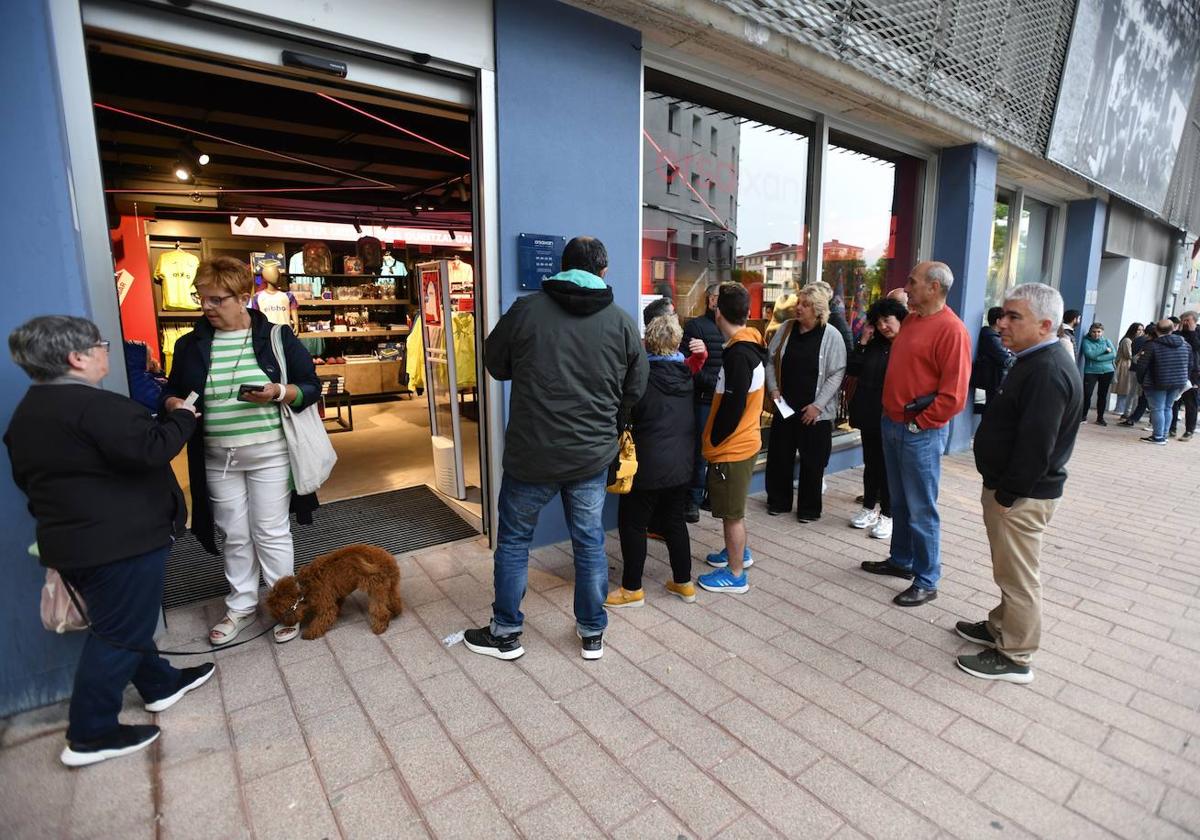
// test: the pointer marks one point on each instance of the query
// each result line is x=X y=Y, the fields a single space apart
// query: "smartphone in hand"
x=243 y=390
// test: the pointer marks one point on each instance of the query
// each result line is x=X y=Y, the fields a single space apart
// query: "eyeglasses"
x=215 y=301
x=102 y=344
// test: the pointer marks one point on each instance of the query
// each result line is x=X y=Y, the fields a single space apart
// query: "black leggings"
x=1090 y=380
x=634 y=512
x=1189 y=402
x=875 y=483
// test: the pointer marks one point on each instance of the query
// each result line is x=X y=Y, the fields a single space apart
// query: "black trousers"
x=1141 y=407
x=814 y=444
x=634 y=512
x=122 y=601
x=875 y=483
x=1090 y=381
x=1188 y=400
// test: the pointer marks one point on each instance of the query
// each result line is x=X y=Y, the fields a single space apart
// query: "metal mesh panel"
x=1182 y=207
x=996 y=63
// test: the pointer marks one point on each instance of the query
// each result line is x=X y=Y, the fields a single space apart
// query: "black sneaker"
x=591 y=647
x=993 y=665
x=1100 y=421
x=1186 y=436
x=691 y=513
x=501 y=647
x=977 y=633
x=189 y=679
x=883 y=567
x=705 y=504
x=125 y=740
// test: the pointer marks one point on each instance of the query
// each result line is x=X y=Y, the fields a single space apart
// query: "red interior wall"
x=138 y=319
x=904 y=210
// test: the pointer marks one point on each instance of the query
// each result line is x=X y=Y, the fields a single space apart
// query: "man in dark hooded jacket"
x=577 y=365
x=1163 y=369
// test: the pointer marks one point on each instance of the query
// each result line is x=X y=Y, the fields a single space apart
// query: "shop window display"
x=997 y=281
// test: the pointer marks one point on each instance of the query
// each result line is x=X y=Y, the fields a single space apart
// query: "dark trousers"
x=814 y=444
x=122 y=601
x=875 y=483
x=1141 y=407
x=1090 y=381
x=634 y=512
x=700 y=471
x=1189 y=400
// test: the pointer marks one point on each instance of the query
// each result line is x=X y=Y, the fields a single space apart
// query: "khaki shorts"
x=728 y=485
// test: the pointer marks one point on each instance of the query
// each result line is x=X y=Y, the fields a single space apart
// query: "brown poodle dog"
x=317 y=591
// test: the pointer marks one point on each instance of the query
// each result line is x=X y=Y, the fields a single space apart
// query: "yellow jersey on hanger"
x=177 y=271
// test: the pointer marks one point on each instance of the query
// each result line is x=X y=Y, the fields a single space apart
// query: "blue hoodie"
x=1099 y=355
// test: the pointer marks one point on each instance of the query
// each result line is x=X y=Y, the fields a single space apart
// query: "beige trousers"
x=1015 y=537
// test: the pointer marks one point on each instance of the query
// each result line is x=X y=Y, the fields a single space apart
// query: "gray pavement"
x=810 y=707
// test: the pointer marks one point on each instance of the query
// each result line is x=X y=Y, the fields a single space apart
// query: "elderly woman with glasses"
x=238 y=463
x=96 y=467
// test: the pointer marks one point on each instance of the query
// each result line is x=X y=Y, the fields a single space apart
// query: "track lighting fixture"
x=261 y=221
x=182 y=170
x=451 y=235
x=190 y=152
x=357 y=227
x=239 y=221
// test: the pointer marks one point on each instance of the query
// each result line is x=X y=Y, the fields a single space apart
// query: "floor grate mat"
x=399 y=520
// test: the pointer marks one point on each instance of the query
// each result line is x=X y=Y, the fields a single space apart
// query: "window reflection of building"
x=1027 y=258
x=1035 y=243
x=997 y=280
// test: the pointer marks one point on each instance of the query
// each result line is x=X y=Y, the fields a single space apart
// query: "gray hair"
x=41 y=345
x=1191 y=313
x=712 y=289
x=940 y=273
x=1044 y=301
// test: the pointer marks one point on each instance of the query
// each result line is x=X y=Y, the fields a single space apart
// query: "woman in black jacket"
x=663 y=431
x=238 y=461
x=869 y=363
x=97 y=470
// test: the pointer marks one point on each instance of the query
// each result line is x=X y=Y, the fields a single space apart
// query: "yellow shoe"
x=624 y=598
x=685 y=591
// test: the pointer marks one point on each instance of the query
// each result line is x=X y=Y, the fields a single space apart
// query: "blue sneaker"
x=722 y=580
x=720 y=559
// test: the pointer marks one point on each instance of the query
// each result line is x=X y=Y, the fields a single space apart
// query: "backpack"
x=370 y=251
x=317 y=259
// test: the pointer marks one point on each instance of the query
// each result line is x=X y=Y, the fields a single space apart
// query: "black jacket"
x=992 y=359
x=1028 y=430
x=838 y=321
x=1165 y=363
x=664 y=427
x=576 y=362
x=869 y=364
x=96 y=467
x=189 y=370
x=704 y=327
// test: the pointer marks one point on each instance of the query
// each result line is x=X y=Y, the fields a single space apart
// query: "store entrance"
x=333 y=195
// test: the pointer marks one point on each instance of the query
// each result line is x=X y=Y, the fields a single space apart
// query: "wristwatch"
x=912 y=426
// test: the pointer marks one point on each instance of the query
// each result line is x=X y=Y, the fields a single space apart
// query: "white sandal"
x=286 y=632
x=227 y=629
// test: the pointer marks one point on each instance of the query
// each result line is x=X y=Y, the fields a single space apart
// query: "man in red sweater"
x=926 y=385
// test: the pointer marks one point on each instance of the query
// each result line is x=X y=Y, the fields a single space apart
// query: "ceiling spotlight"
x=357 y=227
x=239 y=221
x=182 y=171
x=451 y=235
x=203 y=159
x=261 y=221
x=385 y=225
x=190 y=152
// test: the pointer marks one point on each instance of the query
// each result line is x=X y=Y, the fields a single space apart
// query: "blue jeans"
x=914 y=470
x=519 y=506
x=122 y=601
x=1161 y=402
x=700 y=473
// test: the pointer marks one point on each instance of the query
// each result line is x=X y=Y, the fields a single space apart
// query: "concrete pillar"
x=1082 y=250
x=962 y=238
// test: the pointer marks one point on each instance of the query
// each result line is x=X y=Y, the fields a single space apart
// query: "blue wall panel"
x=42 y=274
x=569 y=94
x=1081 y=261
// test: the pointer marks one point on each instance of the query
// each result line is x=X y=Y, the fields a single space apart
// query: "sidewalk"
x=810 y=707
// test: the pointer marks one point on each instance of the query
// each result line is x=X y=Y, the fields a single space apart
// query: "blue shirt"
x=1051 y=340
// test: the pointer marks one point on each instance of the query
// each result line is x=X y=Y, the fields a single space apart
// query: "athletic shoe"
x=865 y=518
x=125 y=740
x=685 y=592
x=824 y=486
x=621 y=598
x=722 y=580
x=1101 y=422
x=189 y=680
x=691 y=513
x=976 y=633
x=591 y=647
x=993 y=665
x=501 y=647
x=1172 y=433
x=1156 y=441
x=883 y=528
x=1186 y=436
x=720 y=559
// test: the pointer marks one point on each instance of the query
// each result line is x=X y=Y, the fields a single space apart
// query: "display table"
x=339 y=400
x=366 y=378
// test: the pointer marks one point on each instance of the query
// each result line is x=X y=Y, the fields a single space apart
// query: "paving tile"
x=962 y=692
x=428 y=761
x=655 y=821
x=1181 y=808
x=697 y=737
x=701 y=691
x=559 y=819
x=461 y=707
x=557 y=674
x=819 y=655
x=289 y=804
x=917 y=708
x=1132 y=784
x=1084 y=728
x=196 y=726
x=604 y=788
x=775 y=699
x=386 y=694
x=540 y=720
x=750 y=827
x=960 y=816
x=764 y=656
x=783 y=804
x=782 y=748
x=420 y=654
x=627 y=638
x=248 y=676
x=685 y=788
x=607 y=720
x=316 y=686
x=377 y=809
x=443 y=616
x=34 y=723
x=267 y=738
x=868 y=757
x=960 y=768
x=880 y=659
x=862 y=804
x=345 y=747
x=624 y=679
x=468 y=814
x=1129 y=720
x=115 y=800
x=1103 y=806
x=1034 y=812
x=829 y=694
x=513 y=774
x=355 y=647
x=201 y=800
x=687 y=643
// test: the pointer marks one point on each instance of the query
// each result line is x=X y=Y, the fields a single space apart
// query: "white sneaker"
x=865 y=518
x=883 y=528
x=824 y=486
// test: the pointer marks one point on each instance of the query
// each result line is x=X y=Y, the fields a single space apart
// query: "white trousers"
x=250 y=492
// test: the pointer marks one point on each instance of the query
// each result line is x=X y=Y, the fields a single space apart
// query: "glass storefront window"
x=1035 y=242
x=997 y=281
x=1027 y=259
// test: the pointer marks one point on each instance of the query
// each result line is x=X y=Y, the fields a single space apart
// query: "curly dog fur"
x=315 y=594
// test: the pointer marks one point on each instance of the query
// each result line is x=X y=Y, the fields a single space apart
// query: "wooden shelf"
x=363 y=276
x=181 y=313
x=314 y=303
x=355 y=334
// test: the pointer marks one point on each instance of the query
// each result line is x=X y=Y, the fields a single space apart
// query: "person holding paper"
x=805 y=365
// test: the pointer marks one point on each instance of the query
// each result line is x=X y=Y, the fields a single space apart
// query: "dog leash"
x=134 y=649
